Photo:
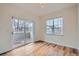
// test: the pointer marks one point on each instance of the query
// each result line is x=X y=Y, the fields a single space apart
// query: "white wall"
x=78 y=24
x=69 y=38
x=2 y=41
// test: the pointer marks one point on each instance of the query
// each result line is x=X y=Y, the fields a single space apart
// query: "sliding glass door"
x=22 y=32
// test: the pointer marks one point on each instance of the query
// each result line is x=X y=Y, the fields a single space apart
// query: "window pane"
x=49 y=22
x=56 y=22
x=15 y=24
x=21 y=25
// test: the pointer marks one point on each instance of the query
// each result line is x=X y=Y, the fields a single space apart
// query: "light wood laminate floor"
x=42 y=49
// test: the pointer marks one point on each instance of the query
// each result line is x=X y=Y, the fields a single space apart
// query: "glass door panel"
x=22 y=32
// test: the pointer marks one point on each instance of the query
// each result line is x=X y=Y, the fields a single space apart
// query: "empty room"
x=39 y=29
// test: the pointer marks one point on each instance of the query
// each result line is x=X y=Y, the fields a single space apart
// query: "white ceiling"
x=35 y=8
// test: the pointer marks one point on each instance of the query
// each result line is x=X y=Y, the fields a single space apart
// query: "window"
x=54 y=26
